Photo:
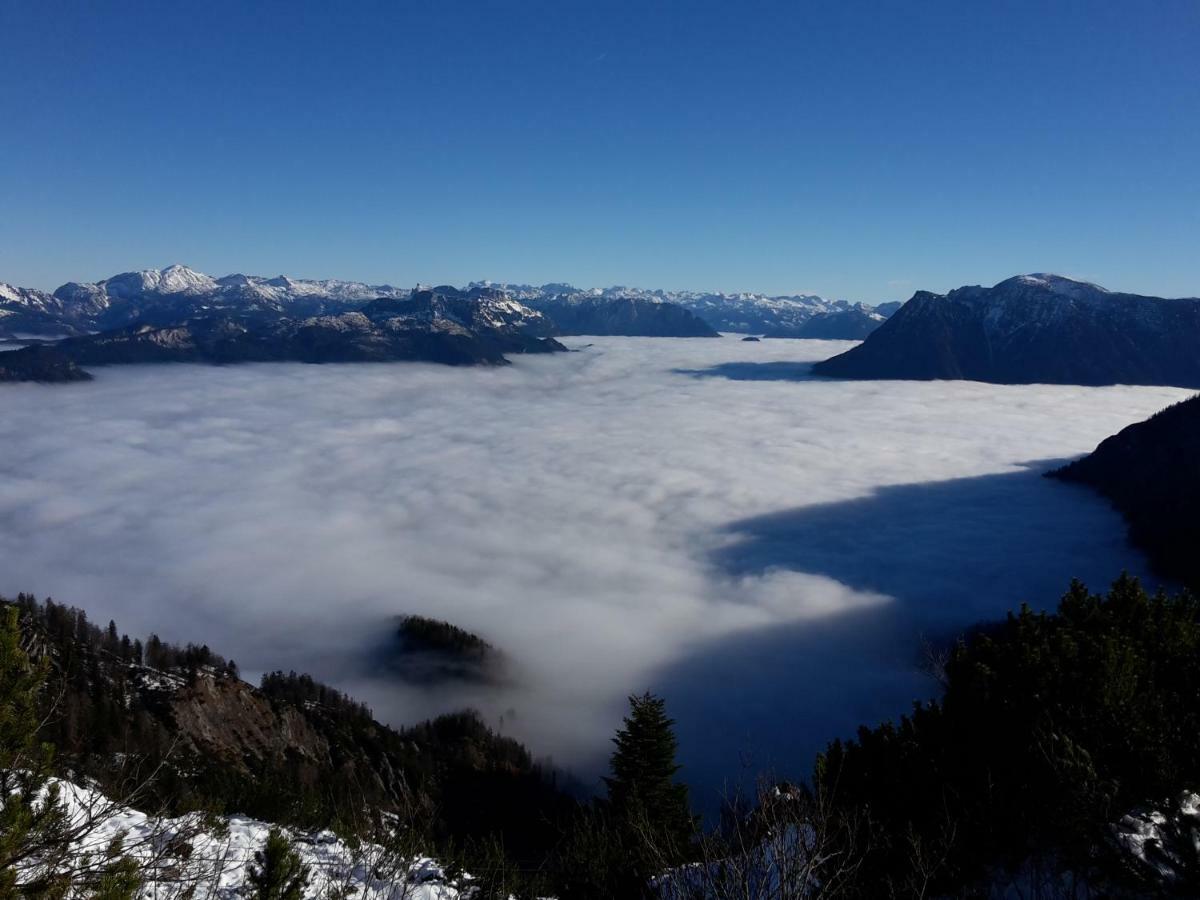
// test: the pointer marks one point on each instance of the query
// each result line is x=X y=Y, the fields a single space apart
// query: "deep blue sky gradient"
x=859 y=150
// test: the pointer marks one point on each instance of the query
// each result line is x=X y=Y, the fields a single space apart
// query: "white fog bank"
x=679 y=515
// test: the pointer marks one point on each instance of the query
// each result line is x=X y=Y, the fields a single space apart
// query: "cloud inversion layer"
x=597 y=515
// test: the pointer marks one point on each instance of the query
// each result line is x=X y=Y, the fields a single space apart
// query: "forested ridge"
x=291 y=750
x=1150 y=471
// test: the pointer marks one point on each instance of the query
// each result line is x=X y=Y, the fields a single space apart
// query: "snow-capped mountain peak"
x=174 y=279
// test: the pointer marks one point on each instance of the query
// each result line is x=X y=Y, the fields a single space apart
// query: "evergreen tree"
x=277 y=872
x=112 y=640
x=642 y=791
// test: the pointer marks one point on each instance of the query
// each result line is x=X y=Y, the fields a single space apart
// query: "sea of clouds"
x=695 y=517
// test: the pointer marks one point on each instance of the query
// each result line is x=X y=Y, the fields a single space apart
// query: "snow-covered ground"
x=177 y=853
x=206 y=858
x=1167 y=843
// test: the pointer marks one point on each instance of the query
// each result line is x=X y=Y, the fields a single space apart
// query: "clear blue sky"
x=859 y=150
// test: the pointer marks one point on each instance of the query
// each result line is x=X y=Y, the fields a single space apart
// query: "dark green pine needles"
x=642 y=788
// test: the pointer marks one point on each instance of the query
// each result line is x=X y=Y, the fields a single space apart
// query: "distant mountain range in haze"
x=1036 y=328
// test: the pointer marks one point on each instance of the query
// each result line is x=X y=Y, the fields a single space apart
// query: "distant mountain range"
x=424 y=326
x=171 y=295
x=176 y=293
x=628 y=316
x=791 y=316
x=1151 y=473
x=1032 y=329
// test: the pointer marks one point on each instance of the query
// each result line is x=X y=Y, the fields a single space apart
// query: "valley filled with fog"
x=695 y=517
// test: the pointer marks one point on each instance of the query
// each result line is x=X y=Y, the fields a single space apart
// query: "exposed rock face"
x=626 y=316
x=1032 y=329
x=1151 y=473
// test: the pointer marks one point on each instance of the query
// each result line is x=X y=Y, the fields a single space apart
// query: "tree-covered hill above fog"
x=1151 y=473
x=429 y=651
x=40 y=363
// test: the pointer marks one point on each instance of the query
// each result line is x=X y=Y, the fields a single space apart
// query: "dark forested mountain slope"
x=39 y=363
x=291 y=750
x=1032 y=329
x=1052 y=727
x=1151 y=473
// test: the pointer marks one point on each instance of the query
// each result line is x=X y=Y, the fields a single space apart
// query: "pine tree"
x=277 y=872
x=642 y=791
x=112 y=640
